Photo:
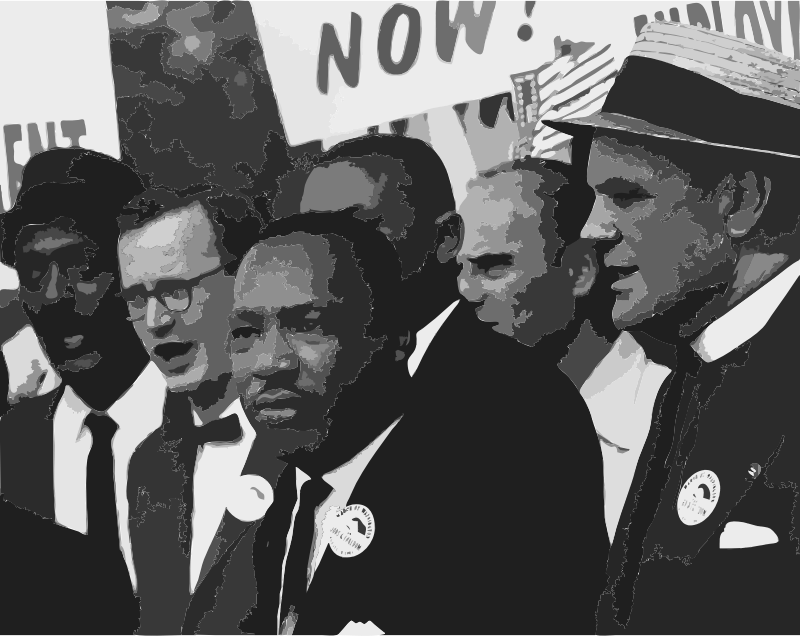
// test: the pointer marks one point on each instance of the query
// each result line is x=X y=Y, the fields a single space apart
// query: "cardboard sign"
x=338 y=67
x=56 y=82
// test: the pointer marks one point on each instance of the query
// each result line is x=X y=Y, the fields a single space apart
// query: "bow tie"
x=226 y=430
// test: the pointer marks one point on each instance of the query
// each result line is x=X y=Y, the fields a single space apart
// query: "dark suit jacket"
x=740 y=409
x=56 y=580
x=487 y=499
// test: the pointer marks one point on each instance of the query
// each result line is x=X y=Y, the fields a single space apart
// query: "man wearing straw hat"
x=693 y=161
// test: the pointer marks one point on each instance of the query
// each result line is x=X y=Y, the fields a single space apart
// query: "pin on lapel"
x=249 y=497
x=350 y=530
x=698 y=497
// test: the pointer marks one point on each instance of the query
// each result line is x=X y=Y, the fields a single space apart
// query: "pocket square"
x=361 y=629
x=738 y=534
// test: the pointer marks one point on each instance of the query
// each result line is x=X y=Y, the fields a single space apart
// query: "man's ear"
x=407 y=344
x=746 y=205
x=450 y=236
x=584 y=278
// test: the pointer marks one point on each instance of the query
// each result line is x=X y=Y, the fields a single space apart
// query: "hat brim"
x=614 y=121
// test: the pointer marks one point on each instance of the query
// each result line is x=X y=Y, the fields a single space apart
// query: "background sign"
x=387 y=61
x=56 y=68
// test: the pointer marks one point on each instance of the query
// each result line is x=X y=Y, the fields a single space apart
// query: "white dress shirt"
x=137 y=413
x=220 y=485
x=620 y=394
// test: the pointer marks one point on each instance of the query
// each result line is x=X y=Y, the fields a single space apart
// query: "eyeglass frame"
x=166 y=287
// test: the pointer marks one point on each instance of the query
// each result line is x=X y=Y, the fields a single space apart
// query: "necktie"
x=295 y=580
x=223 y=431
x=100 y=496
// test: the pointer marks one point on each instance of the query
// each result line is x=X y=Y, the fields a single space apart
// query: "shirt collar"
x=234 y=407
x=746 y=319
x=345 y=477
x=139 y=408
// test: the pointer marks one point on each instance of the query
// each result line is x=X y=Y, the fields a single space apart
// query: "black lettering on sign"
x=476 y=27
x=12 y=133
x=386 y=35
x=349 y=65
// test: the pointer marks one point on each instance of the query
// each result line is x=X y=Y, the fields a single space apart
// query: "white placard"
x=56 y=67
x=291 y=34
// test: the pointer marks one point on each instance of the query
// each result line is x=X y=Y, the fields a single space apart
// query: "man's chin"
x=184 y=379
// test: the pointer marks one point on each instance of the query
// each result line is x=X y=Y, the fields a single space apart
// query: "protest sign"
x=57 y=84
x=337 y=67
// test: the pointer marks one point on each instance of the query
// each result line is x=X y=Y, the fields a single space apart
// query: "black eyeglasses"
x=174 y=294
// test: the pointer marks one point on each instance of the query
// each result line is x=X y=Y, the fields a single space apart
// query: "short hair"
x=374 y=256
x=428 y=185
x=566 y=204
x=233 y=222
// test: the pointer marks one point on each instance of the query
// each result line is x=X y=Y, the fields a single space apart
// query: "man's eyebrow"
x=615 y=185
x=249 y=316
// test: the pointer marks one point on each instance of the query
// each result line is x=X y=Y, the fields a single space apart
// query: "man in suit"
x=60 y=238
x=434 y=510
x=175 y=257
x=701 y=210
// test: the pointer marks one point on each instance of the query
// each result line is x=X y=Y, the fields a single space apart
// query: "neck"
x=585 y=353
x=752 y=271
x=212 y=397
x=105 y=383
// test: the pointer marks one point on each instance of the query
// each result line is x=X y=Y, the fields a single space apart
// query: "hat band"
x=682 y=100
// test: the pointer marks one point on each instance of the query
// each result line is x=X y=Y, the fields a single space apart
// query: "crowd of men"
x=232 y=392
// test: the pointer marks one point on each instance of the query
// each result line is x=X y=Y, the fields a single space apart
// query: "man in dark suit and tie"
x=419 y=515
x=701 y=202
x=57 y=448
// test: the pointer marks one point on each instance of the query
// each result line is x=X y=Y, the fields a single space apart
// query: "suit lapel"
x=26 y=444
x=160 y=495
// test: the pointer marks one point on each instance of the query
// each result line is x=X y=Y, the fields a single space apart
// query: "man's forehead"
x=283 y=273
x=178 y=244
x=612 y=158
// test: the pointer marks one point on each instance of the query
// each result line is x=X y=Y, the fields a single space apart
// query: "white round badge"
x=698 y=497
x=249 y=497
x=351 y=530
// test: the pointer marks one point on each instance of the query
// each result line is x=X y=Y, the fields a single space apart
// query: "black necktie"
x=295 y=579
x=223 y=431
x=100 y=495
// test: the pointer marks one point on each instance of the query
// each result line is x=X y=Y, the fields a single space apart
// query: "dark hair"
x=428 y=184
x=233 y=222
x=566 y=205
x=378 y=262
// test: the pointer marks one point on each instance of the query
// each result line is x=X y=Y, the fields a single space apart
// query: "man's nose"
x=55 y=285
x=601 y=221
x=469 y=287
x=283 y=356
x=158 y=316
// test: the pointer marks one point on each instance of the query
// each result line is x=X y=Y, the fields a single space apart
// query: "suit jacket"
x=733 y=412
x=82 y=584
x=487 y=499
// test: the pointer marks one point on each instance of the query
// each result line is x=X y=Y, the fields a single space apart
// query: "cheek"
x=316 y=362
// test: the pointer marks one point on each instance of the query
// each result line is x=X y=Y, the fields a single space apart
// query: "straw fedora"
x=692 y=84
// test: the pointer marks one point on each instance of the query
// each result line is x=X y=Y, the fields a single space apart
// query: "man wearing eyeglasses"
x=61 y=237
x=175 y=273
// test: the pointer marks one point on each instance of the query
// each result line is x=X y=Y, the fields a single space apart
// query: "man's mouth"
x=275 y=404
x=86 y=361
x=171 y=350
